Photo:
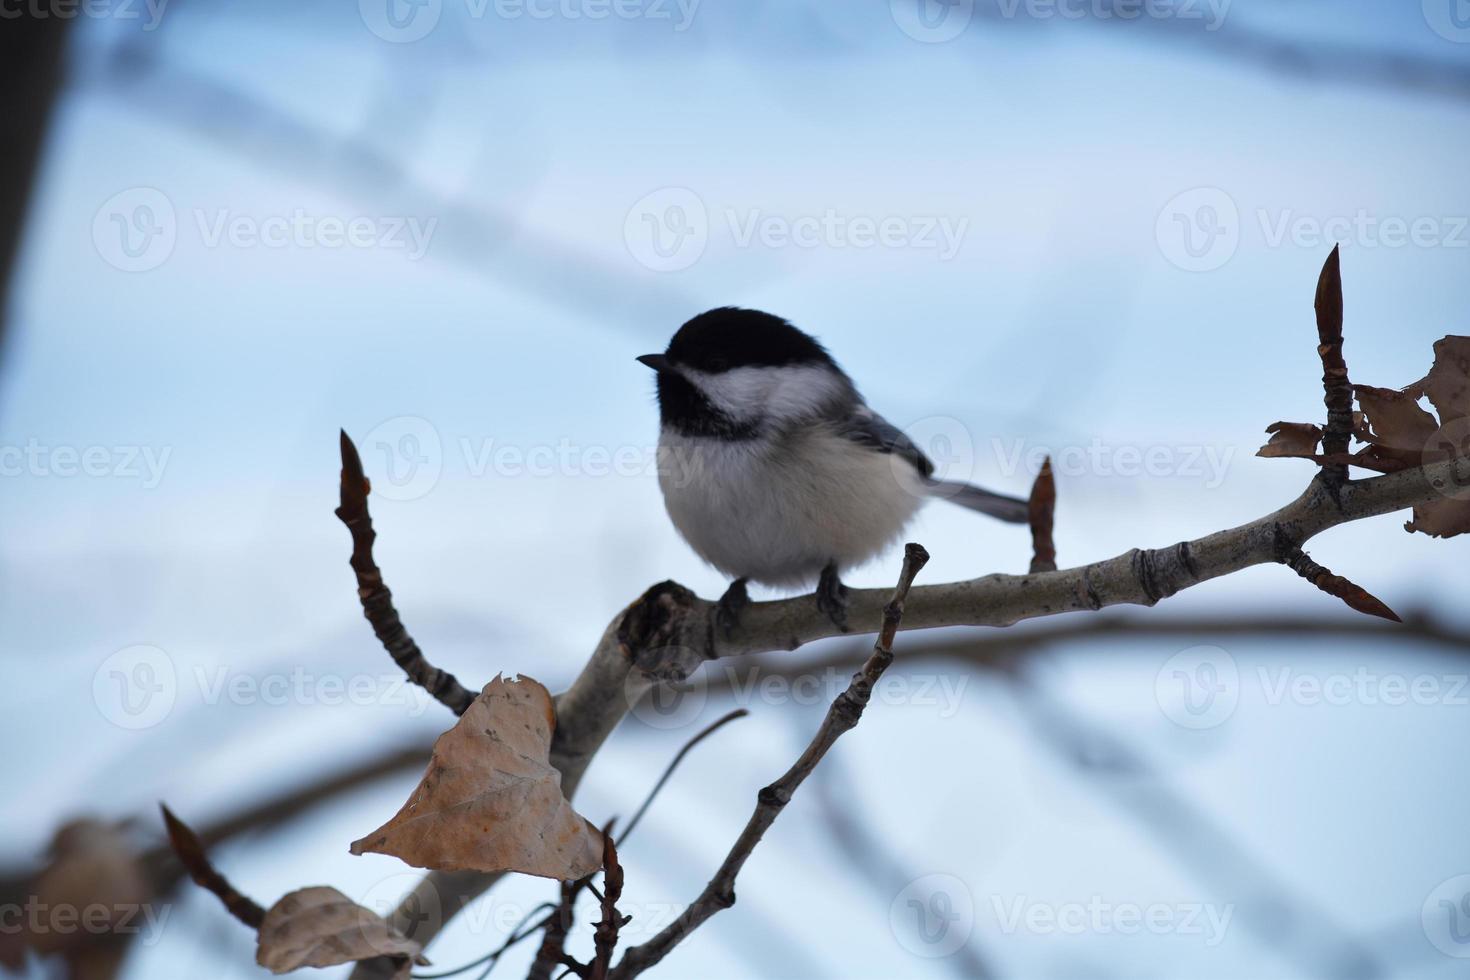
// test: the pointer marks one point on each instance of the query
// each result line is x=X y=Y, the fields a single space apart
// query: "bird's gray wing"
x=867 y=428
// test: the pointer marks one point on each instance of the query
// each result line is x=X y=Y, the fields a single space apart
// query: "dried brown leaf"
x=1447 y=386
x=1441 y=518
x=1292 y=439
x=1393 y=418
x=491 y=800
x=1448 y=515
x=322 y=927
x=93 y=866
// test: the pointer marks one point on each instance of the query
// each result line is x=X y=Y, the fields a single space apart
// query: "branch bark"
x=669 y=632
x=377 y=601
x=844 y=714
x=1337 y=388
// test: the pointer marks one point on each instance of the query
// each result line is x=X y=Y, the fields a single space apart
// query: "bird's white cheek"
x=770 y=392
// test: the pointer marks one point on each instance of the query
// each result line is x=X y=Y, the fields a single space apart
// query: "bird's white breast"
x=777 y=509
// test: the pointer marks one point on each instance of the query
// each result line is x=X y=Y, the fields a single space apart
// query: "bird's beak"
x=658 y=362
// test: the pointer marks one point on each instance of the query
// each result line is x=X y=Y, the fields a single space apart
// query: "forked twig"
x=190 y=849
x=842 y=717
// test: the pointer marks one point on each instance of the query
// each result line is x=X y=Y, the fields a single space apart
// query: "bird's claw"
x=832 y=597
x=730 y=606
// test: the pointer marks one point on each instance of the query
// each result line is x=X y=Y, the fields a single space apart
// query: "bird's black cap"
x=730 y=337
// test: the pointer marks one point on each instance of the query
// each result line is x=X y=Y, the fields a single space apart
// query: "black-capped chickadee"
x=773 y=467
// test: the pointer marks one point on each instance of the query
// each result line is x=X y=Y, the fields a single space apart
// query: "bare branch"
x=703 y=734
x=1335 y=585
x=668 y=632
x=558 y=927
x=1337 y=389
x=190 y=850
x=842 y=717
x=605 y=935
x=377 y=601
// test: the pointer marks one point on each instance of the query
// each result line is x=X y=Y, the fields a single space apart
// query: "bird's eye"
x=717 y=364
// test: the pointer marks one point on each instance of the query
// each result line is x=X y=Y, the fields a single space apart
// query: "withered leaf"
x=1394 y=418
x=1447 y=385
x=93 y=866
x=491 y=800
x=322 y=927
x=1441 y=518
x=1291 y=439
x=1449 y=515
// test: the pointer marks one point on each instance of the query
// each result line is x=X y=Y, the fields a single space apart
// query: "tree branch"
x=668 y=632
x=377 y=601
x=1337 y=389
x=190 y=849
x=841 y=718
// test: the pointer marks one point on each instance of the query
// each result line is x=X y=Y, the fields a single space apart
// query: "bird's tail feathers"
x=1012 y=510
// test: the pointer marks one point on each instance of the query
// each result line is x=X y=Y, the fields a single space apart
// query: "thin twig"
x=1337 y=389
x=605 y=934
x=558 y=927
x=552 y=952
x=190 y=850
x=842 y=717
x=520 y=933
x=1335 y=585
x=674 y=764
x=674 y=634
x=377 y=601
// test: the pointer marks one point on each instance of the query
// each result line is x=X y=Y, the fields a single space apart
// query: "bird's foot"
x=832 y=597
x=730 y=606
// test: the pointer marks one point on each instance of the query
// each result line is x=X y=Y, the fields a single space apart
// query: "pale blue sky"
x=1063 y=321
